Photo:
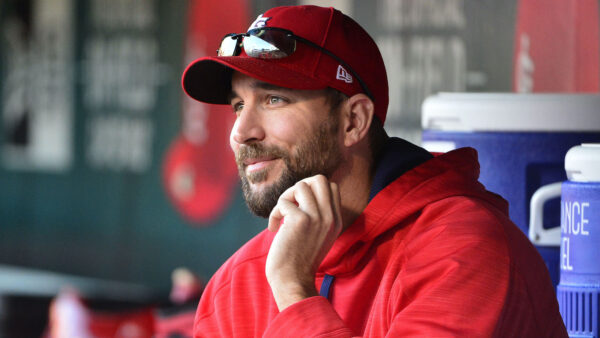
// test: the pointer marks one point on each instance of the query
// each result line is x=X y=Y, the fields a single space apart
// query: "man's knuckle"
x=321 y=178
x=303 y=218
x=301 y=185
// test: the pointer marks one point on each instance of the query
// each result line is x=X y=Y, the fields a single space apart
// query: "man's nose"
x=248 y=127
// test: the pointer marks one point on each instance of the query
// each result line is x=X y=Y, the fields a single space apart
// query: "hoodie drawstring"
x=326 y=286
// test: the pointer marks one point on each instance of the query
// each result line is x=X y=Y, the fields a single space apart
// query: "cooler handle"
x=537 y=234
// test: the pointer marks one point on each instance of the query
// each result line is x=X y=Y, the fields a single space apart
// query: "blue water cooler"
x=578 y=238
x=521 y=140
x=579 y=289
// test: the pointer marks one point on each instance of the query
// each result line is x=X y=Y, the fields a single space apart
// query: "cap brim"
x=208 y=79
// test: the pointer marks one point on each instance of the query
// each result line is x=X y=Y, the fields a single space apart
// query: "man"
x=367 y=235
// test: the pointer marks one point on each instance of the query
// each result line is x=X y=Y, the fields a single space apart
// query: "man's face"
x=280 y=137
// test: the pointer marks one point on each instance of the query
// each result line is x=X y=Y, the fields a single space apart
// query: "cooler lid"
x=511 y=112
x=582 y=163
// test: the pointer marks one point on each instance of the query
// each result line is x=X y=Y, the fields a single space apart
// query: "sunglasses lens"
x=269 y=44
x=228 y=46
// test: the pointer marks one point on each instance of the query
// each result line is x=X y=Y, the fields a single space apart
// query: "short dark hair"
x=377 y=134
x=378 y=137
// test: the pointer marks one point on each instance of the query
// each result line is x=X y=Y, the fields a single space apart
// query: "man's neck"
x=354 y=181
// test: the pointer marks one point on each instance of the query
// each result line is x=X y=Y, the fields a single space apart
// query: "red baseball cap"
x=208 y=79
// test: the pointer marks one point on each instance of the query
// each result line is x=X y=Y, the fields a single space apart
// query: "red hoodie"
x=433 y=254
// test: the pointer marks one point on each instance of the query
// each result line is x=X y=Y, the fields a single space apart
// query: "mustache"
x=255 y=150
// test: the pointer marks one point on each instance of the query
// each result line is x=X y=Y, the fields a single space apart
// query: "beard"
x=317 y=154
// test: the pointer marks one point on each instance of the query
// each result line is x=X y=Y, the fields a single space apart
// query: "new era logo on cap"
x=342 y=74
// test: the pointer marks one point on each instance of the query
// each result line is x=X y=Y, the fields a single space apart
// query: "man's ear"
x=357 y=118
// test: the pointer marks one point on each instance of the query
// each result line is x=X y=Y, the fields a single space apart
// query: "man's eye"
x=275 y=99
x=237 y=107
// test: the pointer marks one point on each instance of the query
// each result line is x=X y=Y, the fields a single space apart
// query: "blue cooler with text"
x=578 y=238
x=521 y=140
x=579 y=288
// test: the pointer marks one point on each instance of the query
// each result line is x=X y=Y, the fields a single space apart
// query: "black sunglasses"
x=274 y=43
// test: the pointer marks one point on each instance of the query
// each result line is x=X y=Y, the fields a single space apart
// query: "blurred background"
x=111 y=178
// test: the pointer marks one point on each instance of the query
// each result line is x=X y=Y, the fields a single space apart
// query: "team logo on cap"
x=259 y=22
x=342 y=74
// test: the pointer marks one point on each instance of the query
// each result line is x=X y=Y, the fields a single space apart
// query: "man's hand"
x=307 y=219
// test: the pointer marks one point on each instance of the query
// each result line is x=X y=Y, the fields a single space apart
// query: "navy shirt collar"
x=397 y=157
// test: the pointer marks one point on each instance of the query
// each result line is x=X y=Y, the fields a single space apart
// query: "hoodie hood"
x=446 y=175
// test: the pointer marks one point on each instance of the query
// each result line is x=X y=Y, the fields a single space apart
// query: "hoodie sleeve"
x=312 y=317
x=449 y=288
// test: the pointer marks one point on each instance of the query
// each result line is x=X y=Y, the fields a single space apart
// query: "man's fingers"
x=304 y=196
x=282 y=209
x=275 y=219
x=321 y=188
x=314 y=199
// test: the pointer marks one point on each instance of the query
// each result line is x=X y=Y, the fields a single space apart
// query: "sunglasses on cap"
x=274 y=43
